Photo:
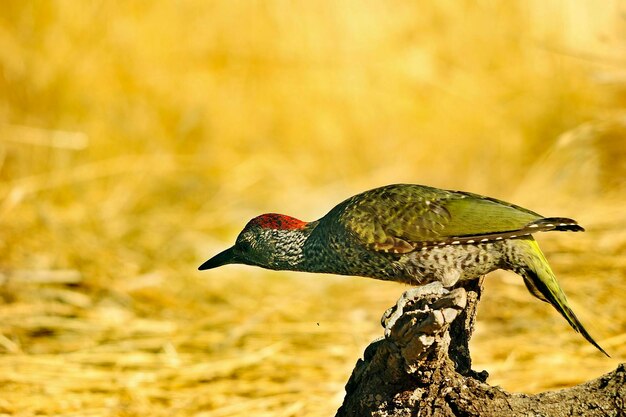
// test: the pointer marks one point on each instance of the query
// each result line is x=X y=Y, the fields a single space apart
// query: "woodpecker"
x=412 y=234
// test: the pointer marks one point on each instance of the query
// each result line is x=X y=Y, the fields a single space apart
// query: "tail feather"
x=562 y=224
x=531 y=286
x=542 y=283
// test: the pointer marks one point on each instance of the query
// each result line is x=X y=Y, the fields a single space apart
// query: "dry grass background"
x=137 y=138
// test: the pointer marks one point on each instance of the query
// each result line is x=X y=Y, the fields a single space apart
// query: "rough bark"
x=423 y=368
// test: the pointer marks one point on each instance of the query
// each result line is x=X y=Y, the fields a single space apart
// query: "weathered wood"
x=423 y=368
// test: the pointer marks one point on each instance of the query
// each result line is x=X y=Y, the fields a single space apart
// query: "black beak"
x=222 y=258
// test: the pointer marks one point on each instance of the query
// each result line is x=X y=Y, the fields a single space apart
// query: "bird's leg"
x=450 y=277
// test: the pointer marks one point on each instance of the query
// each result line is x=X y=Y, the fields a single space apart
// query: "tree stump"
x=422 y=367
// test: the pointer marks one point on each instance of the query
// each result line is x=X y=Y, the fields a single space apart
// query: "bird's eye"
x=244 y=246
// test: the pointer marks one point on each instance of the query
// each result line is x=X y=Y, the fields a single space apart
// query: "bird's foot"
x=409 y=297
x=419 y=321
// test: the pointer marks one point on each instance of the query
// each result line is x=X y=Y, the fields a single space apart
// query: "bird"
x=413 y=234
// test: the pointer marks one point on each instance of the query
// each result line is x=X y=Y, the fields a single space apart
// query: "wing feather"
x=400 y=218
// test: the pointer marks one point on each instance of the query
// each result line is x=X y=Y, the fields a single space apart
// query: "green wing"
x=400 y=218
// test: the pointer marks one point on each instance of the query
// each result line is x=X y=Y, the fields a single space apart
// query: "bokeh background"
x=137 y=138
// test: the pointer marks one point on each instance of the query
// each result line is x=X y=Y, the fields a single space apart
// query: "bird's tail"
x=542 y=283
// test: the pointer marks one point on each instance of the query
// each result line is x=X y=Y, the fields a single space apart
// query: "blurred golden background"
x=137 y=138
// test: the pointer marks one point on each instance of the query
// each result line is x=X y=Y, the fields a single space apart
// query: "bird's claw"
x=410 y=297
x=420 y=320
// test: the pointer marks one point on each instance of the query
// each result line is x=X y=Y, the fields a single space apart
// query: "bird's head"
x=270 y=240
